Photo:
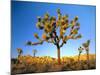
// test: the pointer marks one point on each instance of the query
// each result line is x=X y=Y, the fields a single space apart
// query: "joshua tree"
x=34 y=52
x=86 y=47
x=80 y=51
x=55 y=30
x=20 y=51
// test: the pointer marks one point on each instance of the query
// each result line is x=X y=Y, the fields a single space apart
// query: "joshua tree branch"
x=34 y=43
x=49 y=41
x=78 y=36
x=61 y=44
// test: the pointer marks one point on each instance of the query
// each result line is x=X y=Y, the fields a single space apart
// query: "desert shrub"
x=66 y=67
x=41 y=68
x=30 y=69
x=18 y=68
x=31 y=64
x=55 y=68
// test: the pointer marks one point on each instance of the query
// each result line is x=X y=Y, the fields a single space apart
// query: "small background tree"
x=34 y=52
x=80 y=49
x=86 y=47
x=20 y=52
x=50 y=25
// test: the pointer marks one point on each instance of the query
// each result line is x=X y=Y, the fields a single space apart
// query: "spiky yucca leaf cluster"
x=36 y=36
x=86 y=44
x=80 y=49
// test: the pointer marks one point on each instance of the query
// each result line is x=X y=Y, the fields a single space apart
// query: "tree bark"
x=79 y=57
x=18 y=61
x=34 y=54
x=88 y=58
x=58 y=52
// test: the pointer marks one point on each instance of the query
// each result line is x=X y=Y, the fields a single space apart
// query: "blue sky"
x=24 y=18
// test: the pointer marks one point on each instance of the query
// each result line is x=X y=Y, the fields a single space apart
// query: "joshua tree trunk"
x=18 y=59
x=58 y=51
x=34 y=54
x=59 y=61
x=87 y=57
x=79 y=57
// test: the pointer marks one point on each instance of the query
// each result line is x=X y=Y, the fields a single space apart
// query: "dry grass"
x=29 y=64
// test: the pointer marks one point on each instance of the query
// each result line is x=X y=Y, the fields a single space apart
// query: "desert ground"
x=30 y=64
